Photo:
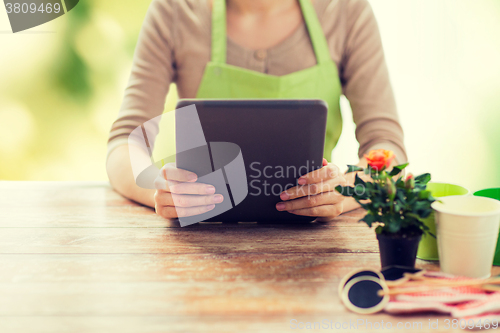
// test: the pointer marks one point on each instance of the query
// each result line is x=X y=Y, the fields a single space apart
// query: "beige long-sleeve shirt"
x=174 y=46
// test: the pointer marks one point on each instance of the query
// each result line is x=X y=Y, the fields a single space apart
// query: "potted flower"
x=397 y=205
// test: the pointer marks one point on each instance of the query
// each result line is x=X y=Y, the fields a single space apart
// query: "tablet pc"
x=251 y=151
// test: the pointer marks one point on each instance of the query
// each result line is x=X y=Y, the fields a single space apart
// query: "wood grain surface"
x=78 y=257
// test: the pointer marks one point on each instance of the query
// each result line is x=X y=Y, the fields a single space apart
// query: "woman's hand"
x=316 y=194
x=178 y=195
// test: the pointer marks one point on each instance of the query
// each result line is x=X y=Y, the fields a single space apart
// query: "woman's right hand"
x=178 y=194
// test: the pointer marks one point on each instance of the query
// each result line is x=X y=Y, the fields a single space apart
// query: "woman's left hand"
x=316 y=194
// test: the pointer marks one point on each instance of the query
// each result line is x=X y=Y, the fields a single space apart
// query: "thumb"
x=325 y=162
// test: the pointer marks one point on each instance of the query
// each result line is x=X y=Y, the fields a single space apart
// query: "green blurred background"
x=61 y=86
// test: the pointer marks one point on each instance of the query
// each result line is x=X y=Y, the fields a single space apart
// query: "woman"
x=258 y=48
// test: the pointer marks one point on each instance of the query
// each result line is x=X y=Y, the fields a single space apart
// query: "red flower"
x=391 y=190
x=379 y=159
x=410 y=182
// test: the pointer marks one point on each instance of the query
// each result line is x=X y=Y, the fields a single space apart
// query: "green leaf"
x=400 y=195
x=420 y=206
x=393 y=227
x=402 y=166
x=369 y=219
x=425 y=213
x=370 y=188
x=424 y=194
x=397 y=169
x=423 y=179
x=400 y=183
x=415 y=216
x=353 y=168
x=359 y=181
x=374 y=174
x=360 y=192
x=346 y=191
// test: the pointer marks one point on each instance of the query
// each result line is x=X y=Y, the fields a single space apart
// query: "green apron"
x=321 y=81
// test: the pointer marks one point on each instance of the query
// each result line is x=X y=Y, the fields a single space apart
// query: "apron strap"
x=318 y=39
x=219 y=37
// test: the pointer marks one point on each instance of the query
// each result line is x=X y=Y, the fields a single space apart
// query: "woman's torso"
x=192 y=36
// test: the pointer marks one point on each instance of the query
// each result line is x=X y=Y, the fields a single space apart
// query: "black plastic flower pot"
x=398 y=249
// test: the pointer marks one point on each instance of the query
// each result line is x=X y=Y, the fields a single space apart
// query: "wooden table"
x=77 y=257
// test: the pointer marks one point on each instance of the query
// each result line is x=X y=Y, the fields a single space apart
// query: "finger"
x=187 y=200
x=325 y=162
x=162 y=184
x=307 y=190
x=190 y=188
x=171 y=172
x=326 y=198
x=173 y=212
x=329 y=171
x=183 y=187
x=320 y=211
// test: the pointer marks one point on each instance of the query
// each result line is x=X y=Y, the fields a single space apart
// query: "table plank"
x=258 y=267
x=124 y=216
x=315 y=239
x=92 y=205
